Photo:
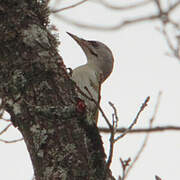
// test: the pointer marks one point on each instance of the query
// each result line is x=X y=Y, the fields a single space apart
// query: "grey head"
x=98 y=54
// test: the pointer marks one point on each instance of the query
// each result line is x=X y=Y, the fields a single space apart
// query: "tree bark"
x=37 y=92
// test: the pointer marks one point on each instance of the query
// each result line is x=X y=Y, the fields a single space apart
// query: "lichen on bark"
x=41 y=98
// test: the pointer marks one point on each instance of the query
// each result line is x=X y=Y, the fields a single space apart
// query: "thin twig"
x=124 y=165
x=158 y=4
x=116 y=118
x=7 y=120
x=169 y=43
x=115 y=121
x=143 y=130
x=135 y=120
x=118 y=26
x=90 y=98
x=5 y=129
x=137 y=156
x=1 y=113
x=112 y=128
x=68 y=7
x=132 y=165
x=127 y=7
x=11 y=141
x=98 y=106
x=173 y=7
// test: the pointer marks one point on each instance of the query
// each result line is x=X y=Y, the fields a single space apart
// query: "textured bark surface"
x=41 y=99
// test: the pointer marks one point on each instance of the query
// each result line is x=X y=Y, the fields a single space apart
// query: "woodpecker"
x=91 y=75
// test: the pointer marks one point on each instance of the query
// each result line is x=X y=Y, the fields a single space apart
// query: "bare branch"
x=135 y=120
x=124 y=165
x=174 y=6
x=114 y=117
x=166 y=19
x=97 y=104
x=5 y=129
x=7 y=120
x=137 y=156
x=12 y=141
x=157 y=2
x=143 y=130
x=128 y=7
x=146 y=138
x=115 y=120
x=170 y=44
x=155 y=109
x=118 y=26
x=146 y=130
x=68 y=7
x=163 y=14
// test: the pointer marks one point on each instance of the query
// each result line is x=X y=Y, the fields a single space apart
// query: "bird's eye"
x=94 y=43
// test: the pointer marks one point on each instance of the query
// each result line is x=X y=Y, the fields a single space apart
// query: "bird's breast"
x=87 y=77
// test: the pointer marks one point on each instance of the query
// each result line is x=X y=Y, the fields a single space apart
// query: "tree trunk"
x=41 y=99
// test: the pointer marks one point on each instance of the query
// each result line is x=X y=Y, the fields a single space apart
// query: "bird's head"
x=97 y=54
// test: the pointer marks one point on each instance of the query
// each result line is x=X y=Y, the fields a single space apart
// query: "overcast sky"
x=141 y=69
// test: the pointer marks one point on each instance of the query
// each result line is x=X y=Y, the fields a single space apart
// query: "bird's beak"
x=83 y=43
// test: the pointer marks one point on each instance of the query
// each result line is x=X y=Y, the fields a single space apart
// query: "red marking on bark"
x=81 y=107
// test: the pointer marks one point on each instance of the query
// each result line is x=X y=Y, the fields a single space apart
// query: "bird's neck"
x=101 y=66
x=94 y=68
